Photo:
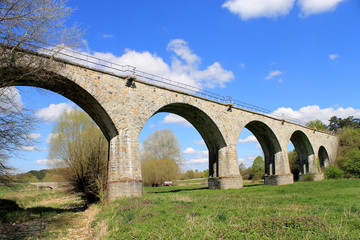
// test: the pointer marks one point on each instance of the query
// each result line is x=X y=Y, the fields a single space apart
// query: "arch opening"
x=324 y=159
x=208 y=130
x=269 y=144
x=304 y=161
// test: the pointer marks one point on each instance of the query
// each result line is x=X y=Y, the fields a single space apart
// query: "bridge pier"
x=227 y=175
x=124 y=171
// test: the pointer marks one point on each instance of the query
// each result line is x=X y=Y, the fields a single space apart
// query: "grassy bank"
x=315 y=210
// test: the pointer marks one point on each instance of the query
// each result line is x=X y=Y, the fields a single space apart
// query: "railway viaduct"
x=121 y=100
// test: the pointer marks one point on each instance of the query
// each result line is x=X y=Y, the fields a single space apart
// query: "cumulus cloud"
x=273 y=74
x=173 y=118
x=247 y=160
x=184 y=66
x=54 y=111
x=190 y=150
x=309 y=7
x=33 y=136
x=50 y=136
x=333 y=56
x=199 y=160
x=30 y=148
x=47 y=162
x=315 y=112
x=247 y=9
x=249 y=139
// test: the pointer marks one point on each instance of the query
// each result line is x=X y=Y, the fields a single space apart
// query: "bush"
x=333 y=172
x=308 y=177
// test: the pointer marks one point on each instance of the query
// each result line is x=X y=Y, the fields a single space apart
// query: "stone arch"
x=65 y=87
x=206 y=127
x=305 y=152
x=323 y=156
x=269 y=144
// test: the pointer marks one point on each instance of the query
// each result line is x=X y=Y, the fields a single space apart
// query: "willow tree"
x=160 y=157
x=80 y=150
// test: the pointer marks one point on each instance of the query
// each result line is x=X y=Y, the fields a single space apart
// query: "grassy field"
x=29 y=213
x=304 y=210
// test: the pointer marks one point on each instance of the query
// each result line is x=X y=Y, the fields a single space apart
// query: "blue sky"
x=297 y=57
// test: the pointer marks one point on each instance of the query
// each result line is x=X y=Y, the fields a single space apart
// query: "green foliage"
x=348 y=157
x=82 y=152
x=318 y=125
x=258 y=168
x=155 y=172
x=333 y=172
x=294 y=164
x=308 y=177
x=336 y=124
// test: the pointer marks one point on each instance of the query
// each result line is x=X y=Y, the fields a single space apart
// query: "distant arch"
x=304 y=150
x=269 y=144
x=206 y=127
x=65 y=87
x=324 y=159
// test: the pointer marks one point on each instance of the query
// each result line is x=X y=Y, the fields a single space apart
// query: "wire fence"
x=128 y=70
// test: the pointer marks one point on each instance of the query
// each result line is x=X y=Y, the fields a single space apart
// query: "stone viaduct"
x=121 y=105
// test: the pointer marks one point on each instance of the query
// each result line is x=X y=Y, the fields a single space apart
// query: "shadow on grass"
x=19 y=223
x=177 y=190
x=10 y=211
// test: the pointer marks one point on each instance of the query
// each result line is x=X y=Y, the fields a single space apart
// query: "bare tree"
x=80 y=150
x=26 y=25
x=162 y=144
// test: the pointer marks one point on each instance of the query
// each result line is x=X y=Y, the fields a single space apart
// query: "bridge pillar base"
x=279 y=179
x=317 y=177
x=227 y=182
x=124 y=188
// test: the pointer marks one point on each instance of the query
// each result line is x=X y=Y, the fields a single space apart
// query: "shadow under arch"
x=304 y=150
x=206 y=127
x=324 y=159
x=65 y=87
x=269 y=144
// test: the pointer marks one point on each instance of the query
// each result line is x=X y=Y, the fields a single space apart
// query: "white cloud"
x=273 y=74
x=249 y=139
x=199 y=160
x=333 y=56
x=184 y=66
x=309 y=7
x=315 y=112
x=30 y=148
x=33 y=136
x=248 y=160
x=54 y=111
x=47 y=162
x=200 y=142
x=190 y=150
x=10 y=99
x=247 y=9
x=50 y=136
x=173 y=118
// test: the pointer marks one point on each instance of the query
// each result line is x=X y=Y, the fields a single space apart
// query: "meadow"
x=305 y=210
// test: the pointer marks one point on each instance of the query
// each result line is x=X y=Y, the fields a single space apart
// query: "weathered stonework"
x=121 y=109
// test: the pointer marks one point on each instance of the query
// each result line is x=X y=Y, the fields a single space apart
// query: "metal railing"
x=128 y=70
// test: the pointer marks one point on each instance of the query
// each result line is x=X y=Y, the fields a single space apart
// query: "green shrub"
x=333 y=172
x=308 y=177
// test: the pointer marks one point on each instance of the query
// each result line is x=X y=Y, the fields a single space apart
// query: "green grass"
x=304 y=210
